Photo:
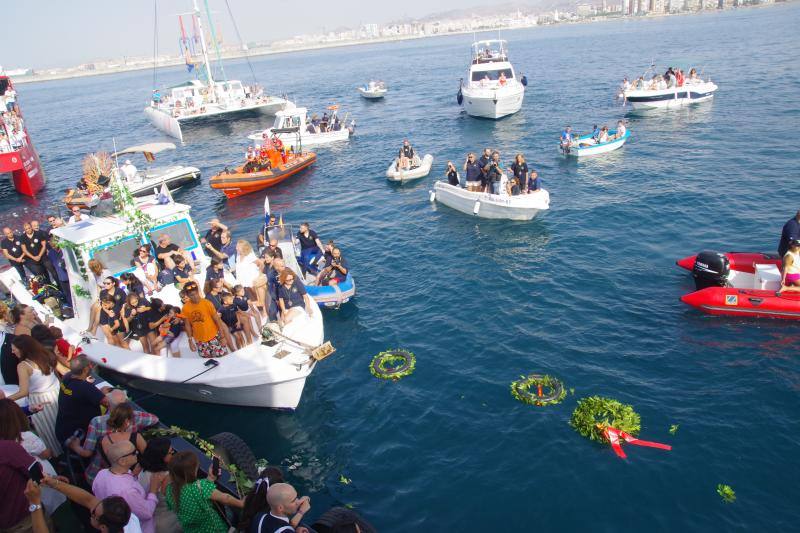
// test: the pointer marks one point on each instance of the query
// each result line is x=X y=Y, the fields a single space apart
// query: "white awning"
x=152 y=148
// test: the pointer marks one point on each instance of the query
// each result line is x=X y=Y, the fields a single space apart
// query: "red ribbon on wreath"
x=616 y=436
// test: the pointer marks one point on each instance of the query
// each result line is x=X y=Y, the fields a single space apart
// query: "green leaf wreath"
x=538 y=389
x=393 y=364
x=595 y=413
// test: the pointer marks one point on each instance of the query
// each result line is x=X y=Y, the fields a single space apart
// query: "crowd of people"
x=12 y=127
x=599 y=135
x=488 y=174
x=673 y=77
x=221 y=311
x=270 y=153
x=79 y=442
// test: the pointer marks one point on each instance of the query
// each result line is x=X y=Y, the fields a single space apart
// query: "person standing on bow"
x=310 y=248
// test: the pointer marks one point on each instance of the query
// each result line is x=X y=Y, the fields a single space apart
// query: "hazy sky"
x=53 y=33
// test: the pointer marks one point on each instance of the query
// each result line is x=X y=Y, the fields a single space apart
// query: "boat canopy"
x=150 y=148
x=489 y=51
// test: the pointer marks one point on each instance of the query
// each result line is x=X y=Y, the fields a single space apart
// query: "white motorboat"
x=142 y=182
x=205 y=99
x=373 y=90
x=419 y=169
x=585 y=145
x=491 y=89
x=485 y=205
x=312 y=132
x=270 y=374
x=655 y=94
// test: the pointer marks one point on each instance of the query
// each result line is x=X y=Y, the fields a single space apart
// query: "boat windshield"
x=492 y=75
x=288 y=122
x=179 y=233
x=117 y=256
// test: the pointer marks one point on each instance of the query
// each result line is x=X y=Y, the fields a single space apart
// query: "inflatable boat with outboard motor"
x=326 y=295
x=740 y=284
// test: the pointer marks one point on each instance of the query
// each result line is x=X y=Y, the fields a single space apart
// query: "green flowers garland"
x=80 y=292
x=393 y=364
x=597 y=411
x=243 y=483
x=552 y=390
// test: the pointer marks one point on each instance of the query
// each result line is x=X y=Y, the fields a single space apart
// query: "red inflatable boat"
x=739 y=284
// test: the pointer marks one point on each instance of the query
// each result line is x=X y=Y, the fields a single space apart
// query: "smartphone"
x=35 y=472
x=215 y=469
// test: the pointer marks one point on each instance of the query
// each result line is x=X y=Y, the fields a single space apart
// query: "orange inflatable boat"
x=238 y=182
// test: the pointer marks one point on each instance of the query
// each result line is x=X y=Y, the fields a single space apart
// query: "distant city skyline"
x=47 y=34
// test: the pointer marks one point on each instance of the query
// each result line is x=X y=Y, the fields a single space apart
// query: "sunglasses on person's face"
x=107 y=283
x=134 y=453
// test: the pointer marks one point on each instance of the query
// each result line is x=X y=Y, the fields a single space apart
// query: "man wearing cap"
x=791 y=231
x=128 y=171
x=213 y=236
x=204 y=327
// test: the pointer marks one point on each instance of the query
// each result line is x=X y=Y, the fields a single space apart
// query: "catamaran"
x=205 y=98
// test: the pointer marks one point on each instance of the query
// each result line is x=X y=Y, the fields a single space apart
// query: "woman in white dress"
x=38 y=383
x=249 y=273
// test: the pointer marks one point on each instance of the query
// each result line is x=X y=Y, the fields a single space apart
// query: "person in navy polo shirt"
x=791 y=231
x=78 y=400
x=12 y=250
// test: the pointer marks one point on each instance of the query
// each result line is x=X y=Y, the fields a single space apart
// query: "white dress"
x=51 y=498
x=43 y=389
x=246 y=270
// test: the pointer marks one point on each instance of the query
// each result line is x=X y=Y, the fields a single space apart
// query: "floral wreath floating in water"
x=538 y=389
x=393 y=364
x=610 y=421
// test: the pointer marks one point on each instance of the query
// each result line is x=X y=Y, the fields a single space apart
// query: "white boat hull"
x=484 y=205
x=392 y=174
x=164 y=121
x=493 y=103
x=173 y=177
x=372 y=95
x=670 y=98
x=306 y=138
x=595 y=149
x=252 y=376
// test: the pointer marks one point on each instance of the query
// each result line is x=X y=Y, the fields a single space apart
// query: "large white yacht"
x=205 y=98
x=270 y=374
x=491 y=89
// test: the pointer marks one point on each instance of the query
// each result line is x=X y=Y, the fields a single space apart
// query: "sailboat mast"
x=211 y=86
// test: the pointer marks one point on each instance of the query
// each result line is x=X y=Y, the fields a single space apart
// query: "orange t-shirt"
x=201 y=316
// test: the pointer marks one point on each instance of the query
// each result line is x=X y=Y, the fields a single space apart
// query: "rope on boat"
x=239 y=36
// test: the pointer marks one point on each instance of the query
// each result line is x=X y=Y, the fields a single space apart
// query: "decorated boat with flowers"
x=261 y=374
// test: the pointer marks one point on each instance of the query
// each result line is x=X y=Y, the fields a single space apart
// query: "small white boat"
x=309 y=133
x=485 y=205
x=420 y=170
x=585 y=145
x=143 y=182
x=491 y=89
x=373 y=90
x=270 y=374
x=648 y=95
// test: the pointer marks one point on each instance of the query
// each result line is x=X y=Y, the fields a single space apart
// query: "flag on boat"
x=164 y=196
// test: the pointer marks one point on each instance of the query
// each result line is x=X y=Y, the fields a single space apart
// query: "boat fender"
x=477 y=207
x=459 y=97
x=433 y=196
x=233 y=450
x=524 y=80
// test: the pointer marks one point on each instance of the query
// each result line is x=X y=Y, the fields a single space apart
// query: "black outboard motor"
x=711 y=269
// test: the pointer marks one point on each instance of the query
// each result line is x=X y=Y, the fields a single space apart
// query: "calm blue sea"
x=587 y=292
